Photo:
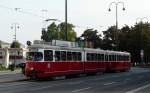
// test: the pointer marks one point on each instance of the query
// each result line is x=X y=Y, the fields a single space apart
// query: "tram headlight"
x=31 y=68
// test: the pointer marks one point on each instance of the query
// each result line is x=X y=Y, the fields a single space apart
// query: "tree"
x=124 y=38
x=52 y=31
x=50 y=34
x=44 y=35
x=71 y=34
x=108 y=41
x=0 y=46
x=58 y=32
x=15 y=44
x=91 y=36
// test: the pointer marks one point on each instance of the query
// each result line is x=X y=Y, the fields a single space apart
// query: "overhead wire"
x=20 y=10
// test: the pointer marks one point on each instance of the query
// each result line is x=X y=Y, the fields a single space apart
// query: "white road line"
x=72 y=83
x=138 y=89
x=40 y=88
x=98 y=79
x=81 y=89
x=115 y=76
x=127 y=79
x=16 y=84
x=109 y=83
x=140 y=76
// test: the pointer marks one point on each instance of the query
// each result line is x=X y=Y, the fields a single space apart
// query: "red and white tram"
x=48 y=61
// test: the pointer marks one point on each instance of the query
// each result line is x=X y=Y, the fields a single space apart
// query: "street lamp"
x=116 y=4
x=141 y=39
x=47 y=20
x=14 y=26
x=66 y=19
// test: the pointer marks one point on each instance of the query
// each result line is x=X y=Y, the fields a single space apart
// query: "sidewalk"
x=11 y=76
x=9 y=72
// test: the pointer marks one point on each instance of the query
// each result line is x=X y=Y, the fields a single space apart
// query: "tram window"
x=34 y=56
x=92 y=57
x=95 y=57
x=69 y=56
x=98 y=57
x=106 y=58
x=109 y=58
x=114 y=57
x=75 y=57
x=79 y=56
x=117 y=57
x=102 y=57
x=121 y=58
x=63 y=55
x=126 y=58
x=48 y=55
x=88 y=57
x=57 y=56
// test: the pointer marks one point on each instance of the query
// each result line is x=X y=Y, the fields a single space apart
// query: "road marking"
x=16 y=84
x=115 y=76
x=109 y=83
x=138 y=89
x=98 y=79
x=127 y=79
x=34 y=89
x=140 y=76
x=72 y=83
x=81 y=89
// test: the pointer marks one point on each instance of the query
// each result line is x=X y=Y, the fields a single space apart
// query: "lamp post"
x=142 y=37
x=14 y=26
x=116 y=4
x=49 y=19
x=66 y=19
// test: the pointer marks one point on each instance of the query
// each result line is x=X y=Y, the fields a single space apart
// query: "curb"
x=11 y=81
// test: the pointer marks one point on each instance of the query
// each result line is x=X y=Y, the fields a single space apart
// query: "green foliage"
x=15 y=45
x=131 y=39
x=0 y=46
x=71 y=34
x=109 y=38
x=90 y=35
x=57 y=32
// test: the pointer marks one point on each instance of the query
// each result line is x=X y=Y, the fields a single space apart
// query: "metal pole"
x=142 y=40
x=15 y=26
x=115 y=33
x=116 y=26
x=66 y=19
x=15 y=33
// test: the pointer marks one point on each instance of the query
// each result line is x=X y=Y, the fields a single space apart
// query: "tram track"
x=79 y=84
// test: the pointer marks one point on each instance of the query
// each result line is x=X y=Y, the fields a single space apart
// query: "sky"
x=82 y=13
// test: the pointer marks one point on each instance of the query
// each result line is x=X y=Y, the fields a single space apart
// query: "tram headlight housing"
x=31 y=68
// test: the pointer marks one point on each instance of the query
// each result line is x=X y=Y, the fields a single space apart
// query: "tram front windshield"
x=34 y=56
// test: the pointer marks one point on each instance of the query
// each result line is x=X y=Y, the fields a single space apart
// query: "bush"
x=2 y=68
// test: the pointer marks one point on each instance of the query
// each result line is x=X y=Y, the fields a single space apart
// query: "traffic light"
x=29 y=43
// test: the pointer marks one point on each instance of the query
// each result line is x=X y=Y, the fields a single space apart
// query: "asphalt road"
x=135 y=81
x=8 y=76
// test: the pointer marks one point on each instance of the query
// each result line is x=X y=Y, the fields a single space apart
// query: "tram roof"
x=40 y=46
x=43 y=46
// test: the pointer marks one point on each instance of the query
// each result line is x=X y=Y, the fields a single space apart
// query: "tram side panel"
x=94 y=63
